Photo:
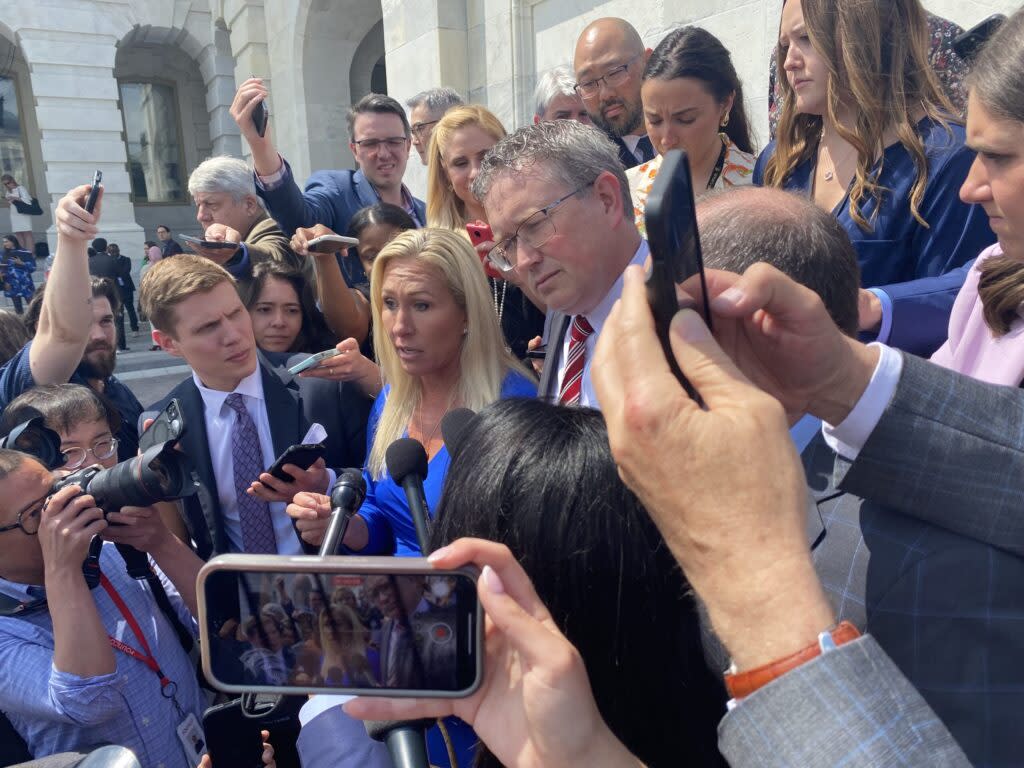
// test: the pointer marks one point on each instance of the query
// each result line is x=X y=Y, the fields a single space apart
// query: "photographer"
x=91 y=666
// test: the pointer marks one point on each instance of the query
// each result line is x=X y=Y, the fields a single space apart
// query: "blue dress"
x=18 y=278
x=903 y=261
x=385 y=509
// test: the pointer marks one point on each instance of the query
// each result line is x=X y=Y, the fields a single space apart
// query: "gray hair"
x=559 y=81
x=563 y=151
x=744 y=225
x=223 y=174
x=997 y=75
x=436 y=100
x=379 y=104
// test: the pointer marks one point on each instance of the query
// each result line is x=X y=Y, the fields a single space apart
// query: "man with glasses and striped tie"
x=558 y=202
x=609 y=64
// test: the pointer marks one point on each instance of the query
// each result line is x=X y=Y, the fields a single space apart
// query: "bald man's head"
x=744 y=225
x=611 y=48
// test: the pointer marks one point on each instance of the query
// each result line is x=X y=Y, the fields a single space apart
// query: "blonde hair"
x=444 y=208
x=484 y=361
x=170 y=281
x=343 y=639
x=881 y=49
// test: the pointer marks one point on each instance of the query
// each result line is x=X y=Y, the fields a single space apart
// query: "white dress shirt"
x=596 y=317
x=850 y=435
x=220 y=421
x=631 y=143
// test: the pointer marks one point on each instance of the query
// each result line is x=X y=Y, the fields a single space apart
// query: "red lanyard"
x=148 y=659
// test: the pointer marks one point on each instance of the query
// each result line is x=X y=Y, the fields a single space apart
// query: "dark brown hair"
x=1001 y=290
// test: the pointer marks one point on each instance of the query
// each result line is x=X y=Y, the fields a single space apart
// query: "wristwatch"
x=740 y=684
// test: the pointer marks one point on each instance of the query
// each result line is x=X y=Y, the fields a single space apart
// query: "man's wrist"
x=777 y=611
x=844 y=388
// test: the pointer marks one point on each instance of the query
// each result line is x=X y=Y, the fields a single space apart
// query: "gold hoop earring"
x=725 y=122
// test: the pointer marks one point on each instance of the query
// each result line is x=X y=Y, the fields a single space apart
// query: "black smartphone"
x=537 y=354
x=259 y=118
x=671 y=219
x=233 y=740
x=969 y=44
x=169 y=424
x=362 y=625
x=302 y=456
x=94 y=193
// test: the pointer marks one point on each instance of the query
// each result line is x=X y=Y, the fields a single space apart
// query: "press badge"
x=192 y=739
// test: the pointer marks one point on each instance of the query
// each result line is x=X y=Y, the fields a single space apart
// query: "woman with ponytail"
x=693 y=100
x=986 y=328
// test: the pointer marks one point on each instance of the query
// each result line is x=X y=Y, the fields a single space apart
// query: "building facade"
x=140 y=89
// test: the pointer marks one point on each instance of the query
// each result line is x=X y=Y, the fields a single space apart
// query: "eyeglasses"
x=395 y=143
x=613 y=77
x=536 y=230
x=28 y=519
x=100 y=450
x=419 y=128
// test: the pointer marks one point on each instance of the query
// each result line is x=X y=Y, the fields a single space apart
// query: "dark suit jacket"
x=124 y=265
x=330 y=198
x=947 y=609
x=627 y=158
x=558 y=326
x=105 y=265
x=292 y=406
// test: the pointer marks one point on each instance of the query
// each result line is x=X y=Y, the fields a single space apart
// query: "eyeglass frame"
x=91 y=449
x=596 y=82
x=37 y=505
x=417 y=128
x=504 y=245
x=374 y=145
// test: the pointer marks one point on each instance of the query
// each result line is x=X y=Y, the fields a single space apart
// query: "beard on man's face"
x=629 y=123
x=99 y=361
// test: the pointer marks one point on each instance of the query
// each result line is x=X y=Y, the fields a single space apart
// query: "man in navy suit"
x=380 y=139
x=240 y=413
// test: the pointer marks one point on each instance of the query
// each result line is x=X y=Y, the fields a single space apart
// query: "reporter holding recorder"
x=740 y=540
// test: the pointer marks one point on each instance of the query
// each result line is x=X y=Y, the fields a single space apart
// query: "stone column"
x=77 y=111
x=427 y=45
x=218 y=71
x=247 y=28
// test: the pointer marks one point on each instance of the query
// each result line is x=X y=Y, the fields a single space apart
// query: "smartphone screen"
x=671 y=219
x=388 y=632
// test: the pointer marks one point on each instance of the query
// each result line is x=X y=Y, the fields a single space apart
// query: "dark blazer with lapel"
x=557 y=326
x=627 y=158
x=292 y=406
x=947 y=609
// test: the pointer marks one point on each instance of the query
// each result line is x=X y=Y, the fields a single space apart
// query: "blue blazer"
x=917 y=268
x=331 y=198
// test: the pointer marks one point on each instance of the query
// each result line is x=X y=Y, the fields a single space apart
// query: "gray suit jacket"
x=948 y=610
x=850 y=707
x=948 y=450
x=557 y=326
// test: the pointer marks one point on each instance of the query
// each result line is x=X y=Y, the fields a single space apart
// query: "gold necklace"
x=448 y=407
x=826 y=155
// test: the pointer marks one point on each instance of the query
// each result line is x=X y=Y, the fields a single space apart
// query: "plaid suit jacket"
x=850 y=707
x=947 y=609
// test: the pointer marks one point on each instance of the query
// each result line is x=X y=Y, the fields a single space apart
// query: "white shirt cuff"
x=848 y=437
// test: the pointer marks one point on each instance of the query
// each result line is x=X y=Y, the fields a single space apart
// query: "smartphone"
x=168 y=425
x=233 y=739
x=537 y=354
x=479 y=233
x=214 y=244
x=259 y=118
x=302 y=456
x=671 y=219
x=94 y=193
x=331 y=243
x=969 y=44
x=312 y=361
x=380 y=626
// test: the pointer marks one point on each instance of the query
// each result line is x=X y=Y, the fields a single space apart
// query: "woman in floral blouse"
x=693 y=100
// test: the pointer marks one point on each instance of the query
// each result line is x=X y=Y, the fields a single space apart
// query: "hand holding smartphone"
x=312 y=361
x=331 y=243
x=671 y=218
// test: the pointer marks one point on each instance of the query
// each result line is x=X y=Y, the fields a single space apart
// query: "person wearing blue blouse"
x=876 y=145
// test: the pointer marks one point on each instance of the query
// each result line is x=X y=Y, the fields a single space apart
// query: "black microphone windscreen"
x=406 y=456
x=349 y=481
x=454 y=428
x=379 y=729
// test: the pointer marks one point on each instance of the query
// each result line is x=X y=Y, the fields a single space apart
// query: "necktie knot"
x=236 y=403
x=581 y=329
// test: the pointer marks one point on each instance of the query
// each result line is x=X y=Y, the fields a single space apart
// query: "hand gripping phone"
x=168 y=425
x=302 y=456
x=331 y=243
x=357 y=625
x=671 y=218
x=94 y=193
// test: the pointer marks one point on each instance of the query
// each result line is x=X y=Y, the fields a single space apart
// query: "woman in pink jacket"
x=986 y=328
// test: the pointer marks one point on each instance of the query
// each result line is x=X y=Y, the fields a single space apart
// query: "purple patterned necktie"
x=257 y=528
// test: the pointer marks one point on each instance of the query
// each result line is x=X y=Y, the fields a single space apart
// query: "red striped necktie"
x=572 y=380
